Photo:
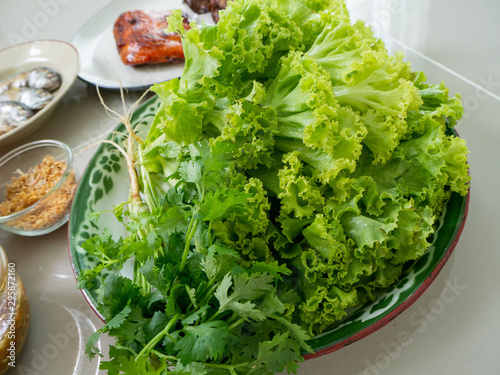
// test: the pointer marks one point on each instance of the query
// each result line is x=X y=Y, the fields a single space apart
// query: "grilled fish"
x=40 y=77
x=141 y=38
x=33 y=98
x=16 y=80
x=44 y=78
x=12 y=114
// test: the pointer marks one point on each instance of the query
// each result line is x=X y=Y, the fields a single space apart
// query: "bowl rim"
x=37 y=41
x=30 y=146
x=12 y=135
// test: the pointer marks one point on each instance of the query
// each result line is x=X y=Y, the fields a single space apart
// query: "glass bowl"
x=45 y=180
x=14 y=313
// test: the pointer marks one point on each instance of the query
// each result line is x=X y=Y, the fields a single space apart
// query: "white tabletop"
x=452 y=329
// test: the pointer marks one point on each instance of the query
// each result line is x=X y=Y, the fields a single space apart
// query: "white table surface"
x=452 y=329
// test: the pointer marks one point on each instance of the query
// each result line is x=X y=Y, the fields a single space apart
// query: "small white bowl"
x=55 y=54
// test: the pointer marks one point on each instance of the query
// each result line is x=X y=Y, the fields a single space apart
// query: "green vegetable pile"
x=291 y=173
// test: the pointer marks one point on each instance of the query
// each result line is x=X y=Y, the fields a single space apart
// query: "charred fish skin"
x=44 y=78
x=34 y=99
x=12 y=114
x=141 y=39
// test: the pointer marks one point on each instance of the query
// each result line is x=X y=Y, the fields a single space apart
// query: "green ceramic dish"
x=104 y=184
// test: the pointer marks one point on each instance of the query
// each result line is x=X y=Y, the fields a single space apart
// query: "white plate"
x=58 y=55
x=101 y=63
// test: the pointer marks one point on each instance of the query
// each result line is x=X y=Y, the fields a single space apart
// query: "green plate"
x=105 y=184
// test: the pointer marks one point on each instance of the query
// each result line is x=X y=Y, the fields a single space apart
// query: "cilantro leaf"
x=277 y=354
x=202 y=342
x=190 y=171
x=192 y=368
x=220 y=203
x=246 y=289
x=125 y=364
x=155 y=325
x=161 y=279
x=91 y=350
x=296 y=331
x=115 y=294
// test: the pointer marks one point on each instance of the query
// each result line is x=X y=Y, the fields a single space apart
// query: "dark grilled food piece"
x=141 y=38
x=214 y=6
x=198 y=6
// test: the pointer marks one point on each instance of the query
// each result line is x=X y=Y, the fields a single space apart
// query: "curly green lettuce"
x=349 y=142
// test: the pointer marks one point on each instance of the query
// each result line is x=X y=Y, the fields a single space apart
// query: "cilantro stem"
x=155 y=340
x=107 y=260
x=236 y=324
x=189 y=235
x=170 y=358
x=226 y=367
x=212 y=365
x=209 y=294
x=138 y=276
x=118 y=346
x=171 y=338
x=134 y=180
